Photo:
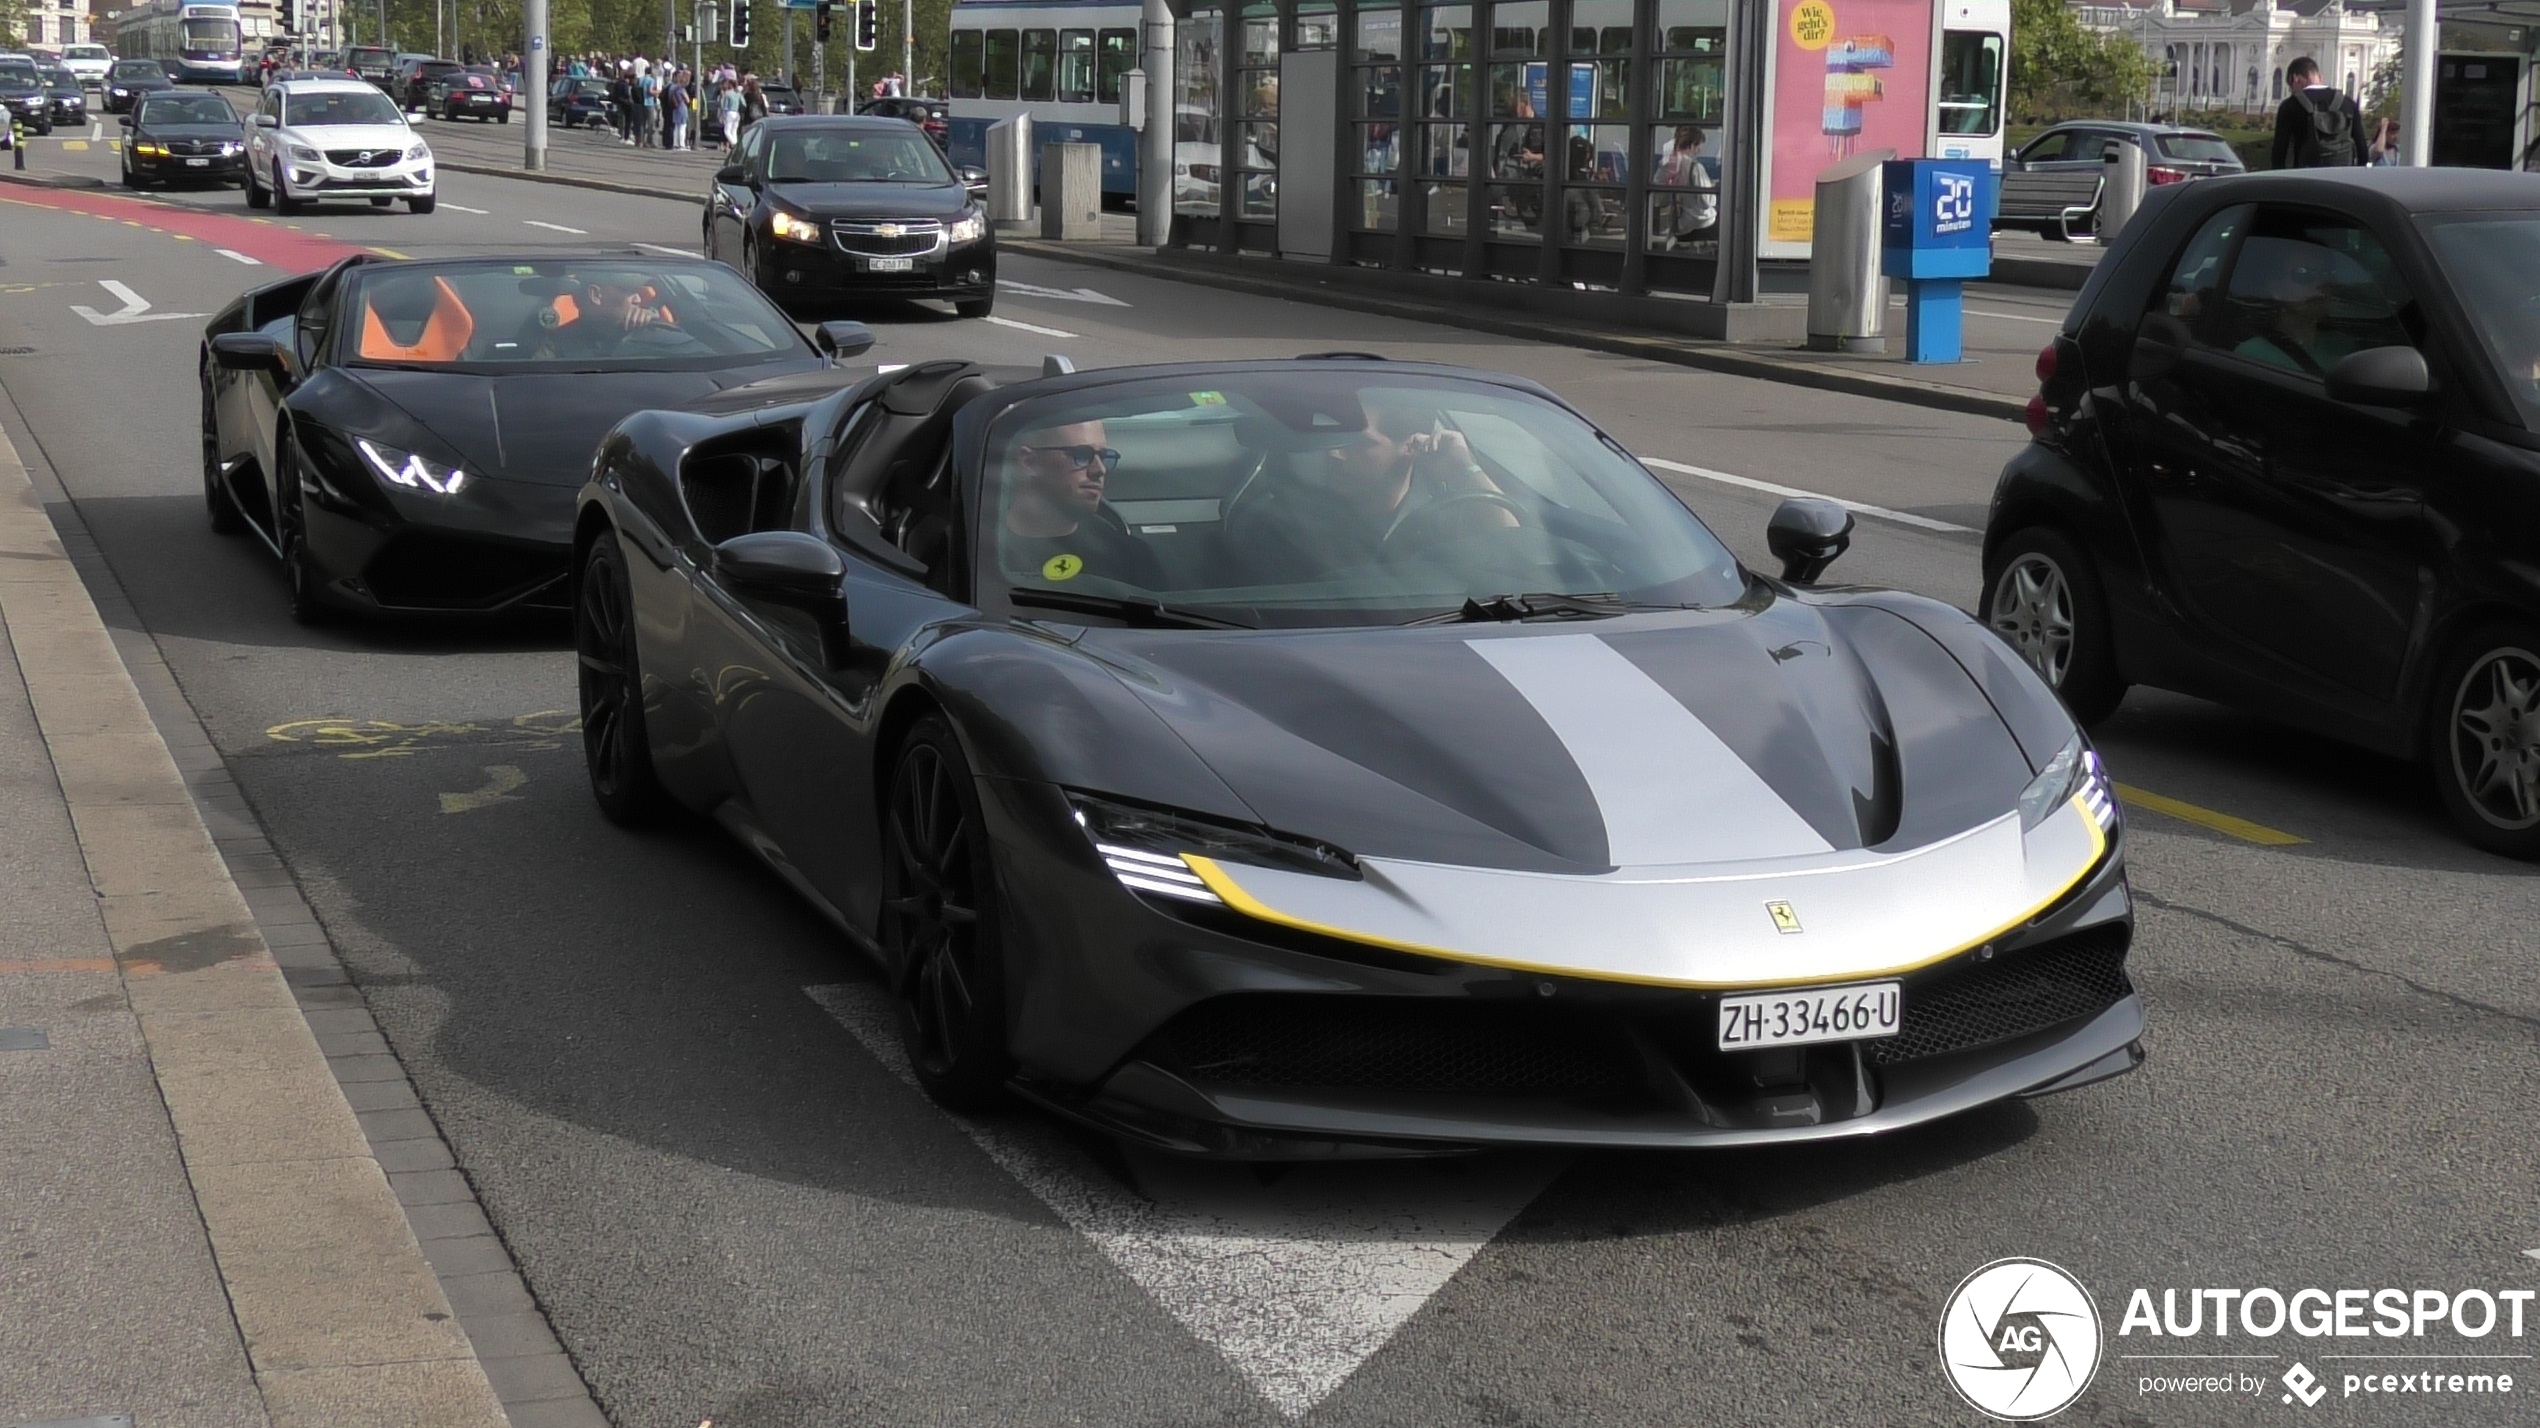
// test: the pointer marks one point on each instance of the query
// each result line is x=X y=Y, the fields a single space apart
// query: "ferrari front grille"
x=1275 y=1040
x=1977 y=1003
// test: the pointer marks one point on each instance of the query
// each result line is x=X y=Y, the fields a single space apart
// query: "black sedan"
x=781 y=99
x=472 y=93
x=1341 y=757
x=408 y=435
x=824 y=208
x=576 y=103
x=2287 y=456
x=179 y=137
x=22 y=96
x=130 y=79
x=67 y=102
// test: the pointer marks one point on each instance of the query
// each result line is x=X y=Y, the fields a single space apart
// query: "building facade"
x=2231 y=54
x=51 y=24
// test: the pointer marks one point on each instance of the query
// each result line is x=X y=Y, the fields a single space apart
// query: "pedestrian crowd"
x=662 y=104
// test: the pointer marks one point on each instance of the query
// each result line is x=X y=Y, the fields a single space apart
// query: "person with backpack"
x=2316 y=127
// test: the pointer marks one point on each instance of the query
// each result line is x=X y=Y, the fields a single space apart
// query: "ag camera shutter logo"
x=2020 y=1340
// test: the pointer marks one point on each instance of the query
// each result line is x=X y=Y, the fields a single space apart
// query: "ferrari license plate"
x=1859 y=1012
x=890 y=265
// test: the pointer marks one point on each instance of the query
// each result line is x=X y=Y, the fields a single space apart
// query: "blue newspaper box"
x=1938 y=233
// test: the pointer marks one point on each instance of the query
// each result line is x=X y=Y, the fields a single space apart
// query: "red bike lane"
x=285 y=249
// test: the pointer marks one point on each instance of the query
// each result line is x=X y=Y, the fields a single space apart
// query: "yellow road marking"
x=383 y=252
x=75 y=145
x=2223 y=823
x=500 y=780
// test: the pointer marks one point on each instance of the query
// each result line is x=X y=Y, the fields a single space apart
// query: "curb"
x=35 y=178
x=2041 y=273
x=340 y=1315
x=550 y=176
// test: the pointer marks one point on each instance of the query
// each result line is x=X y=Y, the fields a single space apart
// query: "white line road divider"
x=1904 y=518
x=1058 y=294
x=560 y=228
x=1027 y=327
x=1296 y=1283
x=666 y=248
x=235 y=256
x=462 y=208
x=136 y=308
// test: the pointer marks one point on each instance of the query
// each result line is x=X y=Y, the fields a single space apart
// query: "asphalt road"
x=660 y=1071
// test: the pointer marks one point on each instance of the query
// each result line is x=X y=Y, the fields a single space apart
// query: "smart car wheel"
x=217 y=501
x=939 y=923
x=2043 y=600
x=615 y=750
x=2485 y=743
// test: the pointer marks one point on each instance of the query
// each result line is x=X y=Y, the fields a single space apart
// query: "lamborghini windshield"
x=1309 y=496
x=563 y=314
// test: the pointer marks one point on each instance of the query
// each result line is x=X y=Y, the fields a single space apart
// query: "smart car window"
x=2308 y=289
x=2194 y=278
x=2490 y=258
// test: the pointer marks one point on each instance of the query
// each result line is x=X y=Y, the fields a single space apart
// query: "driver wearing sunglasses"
x=1056 y=526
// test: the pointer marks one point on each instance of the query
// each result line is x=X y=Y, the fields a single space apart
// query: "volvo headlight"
x=969 y=228
x=1146 y=848
x=2074 y=772
x=792 y=229
x=301 y=153
x=418 y=153
x=404 y=468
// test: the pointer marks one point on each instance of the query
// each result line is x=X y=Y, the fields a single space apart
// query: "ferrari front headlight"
x=1150 y=850
x=792 y=229
x=2074 y=772
x=404 y=468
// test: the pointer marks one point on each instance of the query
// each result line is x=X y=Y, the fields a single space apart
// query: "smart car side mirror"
x=2381 y=377
x=842 y=339
x=248 y=352
x=1806 y=535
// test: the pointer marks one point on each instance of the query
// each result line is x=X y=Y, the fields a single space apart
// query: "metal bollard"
x=1847 y=292
x=1010 y=173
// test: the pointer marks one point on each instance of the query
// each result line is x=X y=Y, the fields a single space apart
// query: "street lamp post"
x=2416 y=92
x=533 y=84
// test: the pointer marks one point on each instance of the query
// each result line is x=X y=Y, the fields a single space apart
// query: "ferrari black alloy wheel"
x=613 y=746
x=2485 y=748
x=300 y=577
x=2044 y=601
x=939 y=923
x=217 y=501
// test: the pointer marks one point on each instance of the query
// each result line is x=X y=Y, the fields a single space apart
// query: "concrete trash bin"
x=1847 y=292
x=1071 y=192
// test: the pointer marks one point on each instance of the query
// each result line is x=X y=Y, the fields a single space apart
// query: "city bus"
x=1061 y=62
x=191 y=39
x=1975 y=47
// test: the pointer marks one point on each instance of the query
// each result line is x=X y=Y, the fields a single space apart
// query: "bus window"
x=1119 y=55
x=1970 y=82
x=1040 y=64
x=1003 y=64
x=969 y=65
x=1075 y=66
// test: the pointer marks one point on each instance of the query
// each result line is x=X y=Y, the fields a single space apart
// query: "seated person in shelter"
x=2287 y=285
x=605 y=309
x=1054 y=527
x=1395 y=486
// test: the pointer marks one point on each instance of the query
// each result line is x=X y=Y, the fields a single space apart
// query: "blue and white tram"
x=1060 y=61
x=194 y=40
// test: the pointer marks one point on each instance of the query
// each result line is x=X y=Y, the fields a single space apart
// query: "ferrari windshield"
x=338 y=106
x=1309 y=496
x=578 y=313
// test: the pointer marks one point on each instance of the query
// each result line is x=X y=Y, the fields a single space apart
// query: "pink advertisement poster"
x=1849 y=76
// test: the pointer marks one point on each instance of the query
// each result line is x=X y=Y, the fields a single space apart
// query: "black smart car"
x=194 y=138
x=2287 y=456
x=827 y=207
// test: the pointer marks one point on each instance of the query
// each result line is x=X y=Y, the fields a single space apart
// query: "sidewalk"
x=195 y=1230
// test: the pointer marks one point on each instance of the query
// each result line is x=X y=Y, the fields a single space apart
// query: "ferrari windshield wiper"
x=1541 y=605
x=1150 y=614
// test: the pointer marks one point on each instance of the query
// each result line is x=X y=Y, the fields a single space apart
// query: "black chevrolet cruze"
x=2286 y=456
x=822 y=208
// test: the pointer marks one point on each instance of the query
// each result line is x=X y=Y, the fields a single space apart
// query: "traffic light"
x=868 y=25
x=820 y=22
x=740 y=24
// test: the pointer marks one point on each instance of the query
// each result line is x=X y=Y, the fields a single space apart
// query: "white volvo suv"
x=315 y=139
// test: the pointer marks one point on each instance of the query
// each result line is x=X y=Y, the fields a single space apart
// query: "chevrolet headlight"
x=304 y=154
x=2074 y=772
x=1149 y=849
x=969 y=228
x=404 y=468
x=794 y=230
x=418 y=153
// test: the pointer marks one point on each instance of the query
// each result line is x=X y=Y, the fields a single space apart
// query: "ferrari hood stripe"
x=1670 y=791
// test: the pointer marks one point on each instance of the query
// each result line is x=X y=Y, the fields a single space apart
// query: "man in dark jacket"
x=2316 y=127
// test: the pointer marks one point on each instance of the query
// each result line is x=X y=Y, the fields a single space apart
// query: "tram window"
x=969 y=65
x=1040 y=64
x=1075 y=66
x=1119 y=55
x=1004 y=62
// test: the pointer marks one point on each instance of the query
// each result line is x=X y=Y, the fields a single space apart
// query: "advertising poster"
x=1849 y=76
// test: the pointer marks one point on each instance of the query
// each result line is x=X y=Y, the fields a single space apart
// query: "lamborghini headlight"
x=969 y=228
x=2074 y=772
x=1146 y=848
x=404 y=468
x=793 y=230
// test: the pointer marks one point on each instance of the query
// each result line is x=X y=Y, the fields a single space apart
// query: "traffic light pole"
x=908 y=49
x=533 y=83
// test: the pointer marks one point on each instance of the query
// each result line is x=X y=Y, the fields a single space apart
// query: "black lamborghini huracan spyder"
x=1343 y=756
x=408 y=435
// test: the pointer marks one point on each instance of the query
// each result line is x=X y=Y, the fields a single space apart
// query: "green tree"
x=2062 y=69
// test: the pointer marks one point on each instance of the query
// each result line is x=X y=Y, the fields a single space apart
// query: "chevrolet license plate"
x=890 y=265
x=1861 y=1011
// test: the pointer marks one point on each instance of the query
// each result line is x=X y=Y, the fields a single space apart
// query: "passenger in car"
x=1055 y=525
x=2288 y=286
x=605 y=309
x=1405 y=479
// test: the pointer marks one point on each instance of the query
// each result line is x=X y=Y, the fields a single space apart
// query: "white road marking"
x=136 y=308
x=96 y=128
x=1060 y=294
x=1906 y=518
x=560 y=228
x=666 y=248
x=1027 y=327
x=237 y=257
x=462 y=208
x=1296 y=1283
x=2014 y=317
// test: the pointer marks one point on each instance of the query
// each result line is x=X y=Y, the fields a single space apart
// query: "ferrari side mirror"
x=842 y=339
x=794 y=566
x=1806 y=535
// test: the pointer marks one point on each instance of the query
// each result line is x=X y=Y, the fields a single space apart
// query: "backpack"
x=2332 y=143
